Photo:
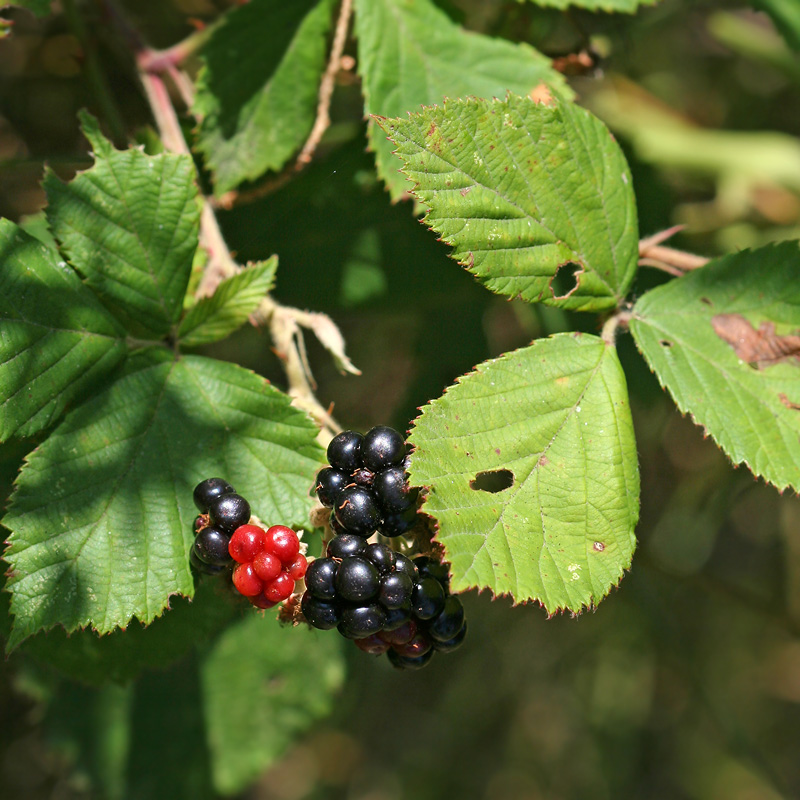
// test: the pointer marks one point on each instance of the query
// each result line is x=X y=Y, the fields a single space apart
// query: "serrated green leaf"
x=611 y=6
x=751 y=411
x=520 y=189
x=235 y=299
x=129 y=226
x=412 y=54
x=41 y=8
x=551 y=423
x=101 y=518
x=257 y=94
x=56 y=339
x=122 y=656
x=263 y=684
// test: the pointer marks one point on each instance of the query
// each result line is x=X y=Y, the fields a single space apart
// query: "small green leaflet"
x=262 y=685
x=257 y=94
x=724 y=341
x=411 y=54
x=129 y=226
x=520 y=189
x=235 y=299
x=531 y=471
x=620 y=6
x=56 y=338
x=101 y=518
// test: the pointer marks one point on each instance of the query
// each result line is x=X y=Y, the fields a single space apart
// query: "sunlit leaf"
x=724 y=341
x=129 y=226
x=235 y=299
x=521 y=189
x=411 y=54
x=531 y=473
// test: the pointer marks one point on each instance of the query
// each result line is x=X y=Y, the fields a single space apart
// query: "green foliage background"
x=683 y=683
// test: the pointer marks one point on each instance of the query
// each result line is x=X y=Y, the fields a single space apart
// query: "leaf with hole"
x=101 y=517
x=56 y=339
x=257 y=92
x=235 y=299
x=531 y=473
x=523 y=190
x=411 y=54
x=725 y=341
x=129 y=226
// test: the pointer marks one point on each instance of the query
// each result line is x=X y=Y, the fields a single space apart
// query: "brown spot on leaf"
x=762 y=347
x=665 y=343
x=543 y=461
x=706 y=301
x=788 y=403
x=432 y=129
x=465 y=191
x=599 y=546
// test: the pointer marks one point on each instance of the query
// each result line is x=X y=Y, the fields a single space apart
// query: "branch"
x=676 y=262
x=285 y=324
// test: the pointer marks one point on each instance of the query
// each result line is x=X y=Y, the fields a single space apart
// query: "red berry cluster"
x=269 y=563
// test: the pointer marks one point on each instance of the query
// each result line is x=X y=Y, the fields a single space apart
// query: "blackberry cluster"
x=365 y=484
x=269 y=562
x=383 y=600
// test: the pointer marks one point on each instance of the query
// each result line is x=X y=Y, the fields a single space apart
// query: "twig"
x=326 y=85
x=668 y=259
x=609 y=332
x=322 y=120
x=285 y=324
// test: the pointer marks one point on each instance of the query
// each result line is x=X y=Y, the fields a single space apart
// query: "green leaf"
x=619 y=6
x=520 y=189
x=257 y=94
x=411 y=54
x=263 y=684
x=213 y=318
x=786 y=16
x=129 y=226
x=41 y=8
x=121 y=656
x=530 y=464
x=101 y=518
x=56 y=339
x=695 y=333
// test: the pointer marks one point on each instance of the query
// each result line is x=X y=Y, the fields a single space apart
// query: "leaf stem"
x=609 y=332
x=676 y=262
x=285 y=324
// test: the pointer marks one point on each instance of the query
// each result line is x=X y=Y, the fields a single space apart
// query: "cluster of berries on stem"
x=268 y=561
x=383 y=600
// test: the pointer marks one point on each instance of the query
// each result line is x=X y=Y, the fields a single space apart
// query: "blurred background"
x=685 y=682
